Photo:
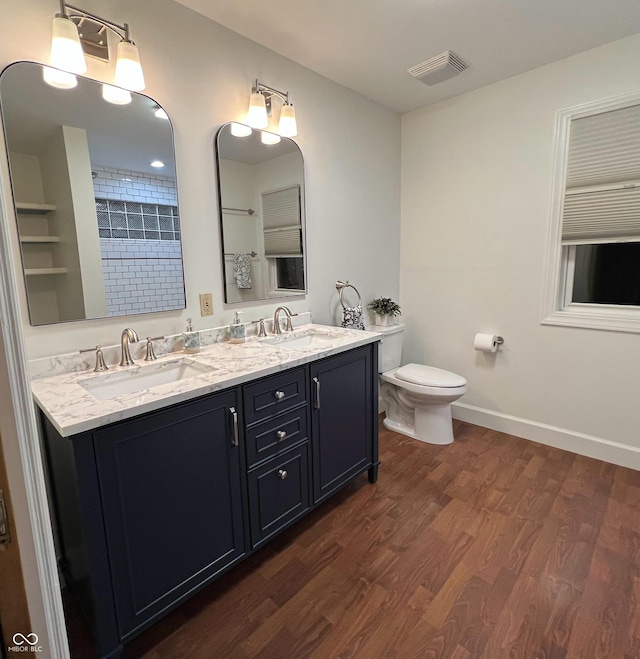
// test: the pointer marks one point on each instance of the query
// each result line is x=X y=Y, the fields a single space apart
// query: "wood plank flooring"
x=491 y=547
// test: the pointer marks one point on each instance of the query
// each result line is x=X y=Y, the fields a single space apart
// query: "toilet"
x=417 y=398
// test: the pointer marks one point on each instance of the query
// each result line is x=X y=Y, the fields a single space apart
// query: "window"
x=281 y=212
x=289 y=274
x=593 y=273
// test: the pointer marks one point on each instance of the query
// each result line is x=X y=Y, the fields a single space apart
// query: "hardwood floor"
x=491 y=547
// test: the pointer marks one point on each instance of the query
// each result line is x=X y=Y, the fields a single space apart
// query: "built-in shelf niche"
x=45 y=271
x=28 y=208
x=39 y=239
x=35 y=235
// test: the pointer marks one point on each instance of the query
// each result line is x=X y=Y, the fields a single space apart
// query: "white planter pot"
x=383 y=321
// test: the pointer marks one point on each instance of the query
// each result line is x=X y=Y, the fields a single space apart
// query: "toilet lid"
x=429 y=376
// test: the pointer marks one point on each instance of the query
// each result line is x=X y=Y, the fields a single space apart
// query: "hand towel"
x=242 y=270
x=352 y=317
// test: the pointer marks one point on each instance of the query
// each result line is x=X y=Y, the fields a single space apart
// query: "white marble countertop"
x=72 y=409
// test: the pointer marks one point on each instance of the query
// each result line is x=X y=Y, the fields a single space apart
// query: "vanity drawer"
x=276 y=435
x=275 y=394
x=278 y=493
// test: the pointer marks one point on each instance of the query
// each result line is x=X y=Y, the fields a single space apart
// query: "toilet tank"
x=390 y=347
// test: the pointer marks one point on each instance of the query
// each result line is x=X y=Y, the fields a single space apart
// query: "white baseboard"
x=592 y=447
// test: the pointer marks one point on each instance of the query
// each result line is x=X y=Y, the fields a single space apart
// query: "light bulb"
x=59 y=79
x=66 y=51
x=287 y=126
x=115 y=95
x=128 y=68
x=269 y=138
x=240 y=130
x=157 y=163
x=257 y=115
x=161 y=114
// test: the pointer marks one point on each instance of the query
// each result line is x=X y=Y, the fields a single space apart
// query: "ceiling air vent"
x=438 y=68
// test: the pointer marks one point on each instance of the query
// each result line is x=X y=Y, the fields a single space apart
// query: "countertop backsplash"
x=77 y=362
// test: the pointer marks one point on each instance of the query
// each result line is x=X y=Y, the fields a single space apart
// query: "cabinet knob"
x=282 y=473
x=279 y=395
x=281 y=434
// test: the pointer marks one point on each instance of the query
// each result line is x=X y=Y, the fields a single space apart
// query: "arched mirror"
x=261 y=202
x=94 y=187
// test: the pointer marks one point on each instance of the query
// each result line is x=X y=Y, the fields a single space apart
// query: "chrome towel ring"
x=340 y=286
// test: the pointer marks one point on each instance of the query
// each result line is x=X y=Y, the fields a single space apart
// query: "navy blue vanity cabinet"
x=172 y=491
x=344 y=412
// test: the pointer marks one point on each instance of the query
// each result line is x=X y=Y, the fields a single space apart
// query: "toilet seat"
x=423 y=390
x=429 y=376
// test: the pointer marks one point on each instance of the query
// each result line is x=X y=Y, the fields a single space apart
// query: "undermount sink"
x=140 y=378
x=316 y=340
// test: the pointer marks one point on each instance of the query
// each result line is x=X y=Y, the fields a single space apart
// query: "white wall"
x=476 y=191
x=202 y=73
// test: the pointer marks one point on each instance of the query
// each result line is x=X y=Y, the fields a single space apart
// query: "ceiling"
x=367 y=45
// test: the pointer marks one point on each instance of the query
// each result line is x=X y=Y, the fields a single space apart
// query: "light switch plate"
x=206 y=304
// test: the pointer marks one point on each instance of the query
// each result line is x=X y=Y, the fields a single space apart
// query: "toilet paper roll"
x=486 y=342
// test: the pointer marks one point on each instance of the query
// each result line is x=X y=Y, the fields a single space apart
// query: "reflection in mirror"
x=261 y=201
x=98 y=223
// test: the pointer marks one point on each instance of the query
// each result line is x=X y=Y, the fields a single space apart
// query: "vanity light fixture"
x=66 y=53
x=260 y=110
x=76 y=32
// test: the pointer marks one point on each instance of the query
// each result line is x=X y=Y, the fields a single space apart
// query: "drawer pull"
x=234 y=416
x=282 y=473
x=279 y=395
x=281 y=434
x=317 y=400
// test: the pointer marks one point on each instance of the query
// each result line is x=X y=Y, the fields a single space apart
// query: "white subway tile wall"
x=139 y=231
x=141 y=276
x=126 y=185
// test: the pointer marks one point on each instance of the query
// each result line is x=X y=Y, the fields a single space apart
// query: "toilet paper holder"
x=488 y=343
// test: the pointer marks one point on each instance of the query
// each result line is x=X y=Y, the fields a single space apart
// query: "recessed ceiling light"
x=157 y=163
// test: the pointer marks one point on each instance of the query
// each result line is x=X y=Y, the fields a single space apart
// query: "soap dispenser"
x=236 y=329
x=191 y=338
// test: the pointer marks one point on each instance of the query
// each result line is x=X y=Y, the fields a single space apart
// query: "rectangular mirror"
x=261 y=202
x=94 y=188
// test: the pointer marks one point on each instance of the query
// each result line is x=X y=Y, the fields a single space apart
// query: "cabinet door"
x=278 y=493
x=342 y=428
x=171 y=489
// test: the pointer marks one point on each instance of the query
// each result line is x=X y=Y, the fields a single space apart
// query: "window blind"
x=282 y=222
x=602 y=194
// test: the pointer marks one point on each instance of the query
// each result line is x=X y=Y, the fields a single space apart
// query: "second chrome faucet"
x=128 y=336
x=276 y=320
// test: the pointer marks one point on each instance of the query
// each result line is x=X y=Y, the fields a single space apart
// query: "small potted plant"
x=385 y=310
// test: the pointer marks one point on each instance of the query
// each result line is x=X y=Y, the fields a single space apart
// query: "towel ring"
x=340 y=286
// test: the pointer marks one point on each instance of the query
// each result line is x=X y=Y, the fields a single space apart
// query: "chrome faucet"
x=276 y=320
x=128 y=336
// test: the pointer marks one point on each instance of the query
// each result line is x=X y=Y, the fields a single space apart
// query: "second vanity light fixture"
x=67 y=52
x=260 y=110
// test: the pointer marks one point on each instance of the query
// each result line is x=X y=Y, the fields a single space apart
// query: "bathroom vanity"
x=153 y=504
